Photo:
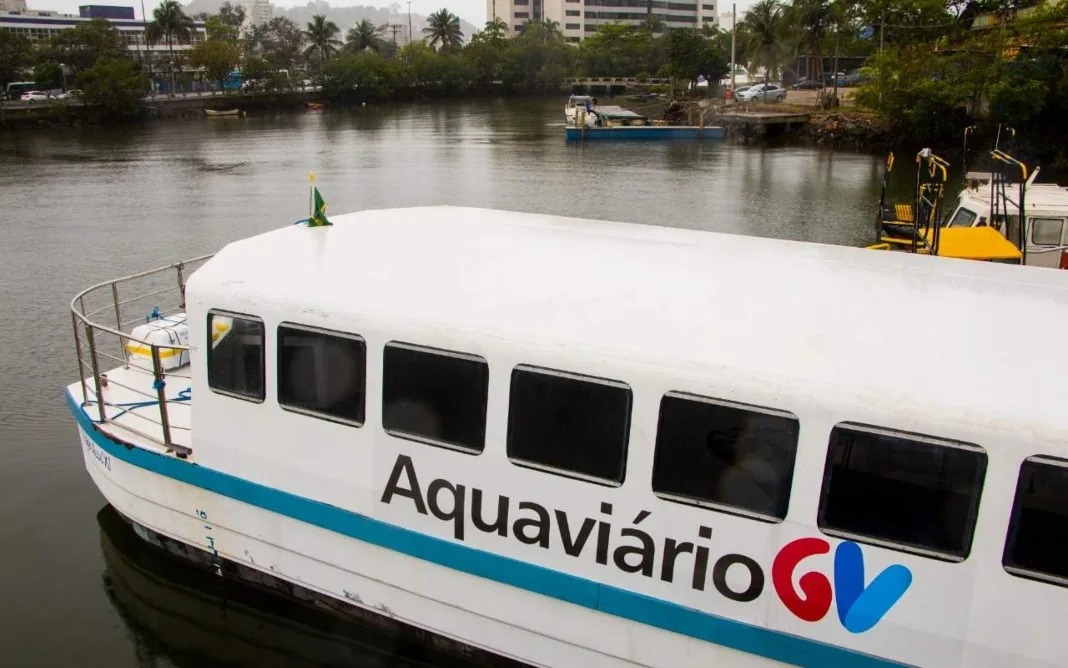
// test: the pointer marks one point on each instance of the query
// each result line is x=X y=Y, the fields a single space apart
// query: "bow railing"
x=103 y=317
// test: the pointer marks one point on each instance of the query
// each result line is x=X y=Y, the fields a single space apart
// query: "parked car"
x=854 y=78
x=73 y=93
x=763 y=93
x=807 y=84
x=34 y=96
x=828 y=78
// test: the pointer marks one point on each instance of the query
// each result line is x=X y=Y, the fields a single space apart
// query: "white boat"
x=574 y=104
x=523 y=444
x=222 y=112
x=1046 y=206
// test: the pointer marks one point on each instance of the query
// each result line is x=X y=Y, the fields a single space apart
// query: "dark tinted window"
x=725 y=454
x=569 y=423
x=1036 y=545
x=235 y=357
x=321 y=372
x=434 y=396
x=905 y=490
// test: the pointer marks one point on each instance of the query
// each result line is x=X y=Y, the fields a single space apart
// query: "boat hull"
x=200 y=508
x=644 y=132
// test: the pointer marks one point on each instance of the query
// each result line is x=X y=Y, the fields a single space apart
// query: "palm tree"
x=652 y=23
x=170 y=23
x=364 y=36
x=443 y=27
x=765 y=26
x=321 y=35
x=813 y=17
x=496 y=29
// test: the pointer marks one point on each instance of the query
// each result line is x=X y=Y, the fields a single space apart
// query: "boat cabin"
x=1046 y=206
x=916 y=227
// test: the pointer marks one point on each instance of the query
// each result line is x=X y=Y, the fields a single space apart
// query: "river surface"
x=78 y=206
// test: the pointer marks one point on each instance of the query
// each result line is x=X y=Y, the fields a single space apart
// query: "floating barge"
x=612 y=122
x=645 y=132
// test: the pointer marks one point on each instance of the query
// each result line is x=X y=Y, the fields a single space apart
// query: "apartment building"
x=579 y=18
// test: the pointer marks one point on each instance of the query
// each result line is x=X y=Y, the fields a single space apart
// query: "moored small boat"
x=222 y=112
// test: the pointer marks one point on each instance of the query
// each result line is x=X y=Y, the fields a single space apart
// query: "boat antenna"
x=964 y=157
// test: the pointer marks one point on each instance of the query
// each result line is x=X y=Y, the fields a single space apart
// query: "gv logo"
x=860 y=607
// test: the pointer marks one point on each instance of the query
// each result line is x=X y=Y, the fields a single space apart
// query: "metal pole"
x=81 y=362
x=161 y=396
x=181 y=266
x=837 y=29
x=96 y=371
x=882 y=20
x=118 y=318
x=734 y=22
x=410 y=38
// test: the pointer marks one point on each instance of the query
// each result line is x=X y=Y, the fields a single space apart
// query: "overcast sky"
x=473 y=11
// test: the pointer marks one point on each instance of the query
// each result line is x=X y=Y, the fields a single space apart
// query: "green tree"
x=14 y=56
x=226 y=25
x=813 y=18
x=364 y=36
x=81 y=46
x=170 y=23
x=420 y=63
x=443 y=28
x=618 y=50
x=496 y=29
x=114 y=85
x=322 y=39
x=537 y=59
x=279 y=42
x=768 y=40
x=217 y=57
x=690 y=54
x=485 y=51
x=233 y=17
x=365 y=75
x=48 y=75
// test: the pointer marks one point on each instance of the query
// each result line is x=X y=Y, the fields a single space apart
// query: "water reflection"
x=181 y=615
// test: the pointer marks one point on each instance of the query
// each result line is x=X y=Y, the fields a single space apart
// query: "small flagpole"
x=311 y=195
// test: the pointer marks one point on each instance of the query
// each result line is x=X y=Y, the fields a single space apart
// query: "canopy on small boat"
x=617 y=113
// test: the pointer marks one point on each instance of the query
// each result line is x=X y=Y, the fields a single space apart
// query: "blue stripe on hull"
x=645 y=132
x=562 y=586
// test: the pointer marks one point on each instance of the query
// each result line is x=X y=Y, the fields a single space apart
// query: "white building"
x=579 y=18
x=257 y=12
x=41 y=25
x=12 y=5
x=726 y=19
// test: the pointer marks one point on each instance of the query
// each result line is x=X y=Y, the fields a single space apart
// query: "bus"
x=232 y=81
x=15 y=89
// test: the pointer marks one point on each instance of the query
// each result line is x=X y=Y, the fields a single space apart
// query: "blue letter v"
x=861 y=608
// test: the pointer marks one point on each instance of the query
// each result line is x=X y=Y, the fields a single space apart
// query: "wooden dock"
x=752 y=123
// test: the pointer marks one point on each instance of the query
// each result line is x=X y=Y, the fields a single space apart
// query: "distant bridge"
x=612 y=84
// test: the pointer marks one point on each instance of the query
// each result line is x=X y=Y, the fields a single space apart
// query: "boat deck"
x=131 y=416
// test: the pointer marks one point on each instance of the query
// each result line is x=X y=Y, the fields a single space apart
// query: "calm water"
x=81 y=206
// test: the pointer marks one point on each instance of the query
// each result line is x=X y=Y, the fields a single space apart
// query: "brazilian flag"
x=318 y=217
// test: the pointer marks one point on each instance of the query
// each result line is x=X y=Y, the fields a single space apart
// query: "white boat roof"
x=864 y=325
x=1039 y=196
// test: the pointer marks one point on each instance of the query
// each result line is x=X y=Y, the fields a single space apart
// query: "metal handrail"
x=86 y=327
